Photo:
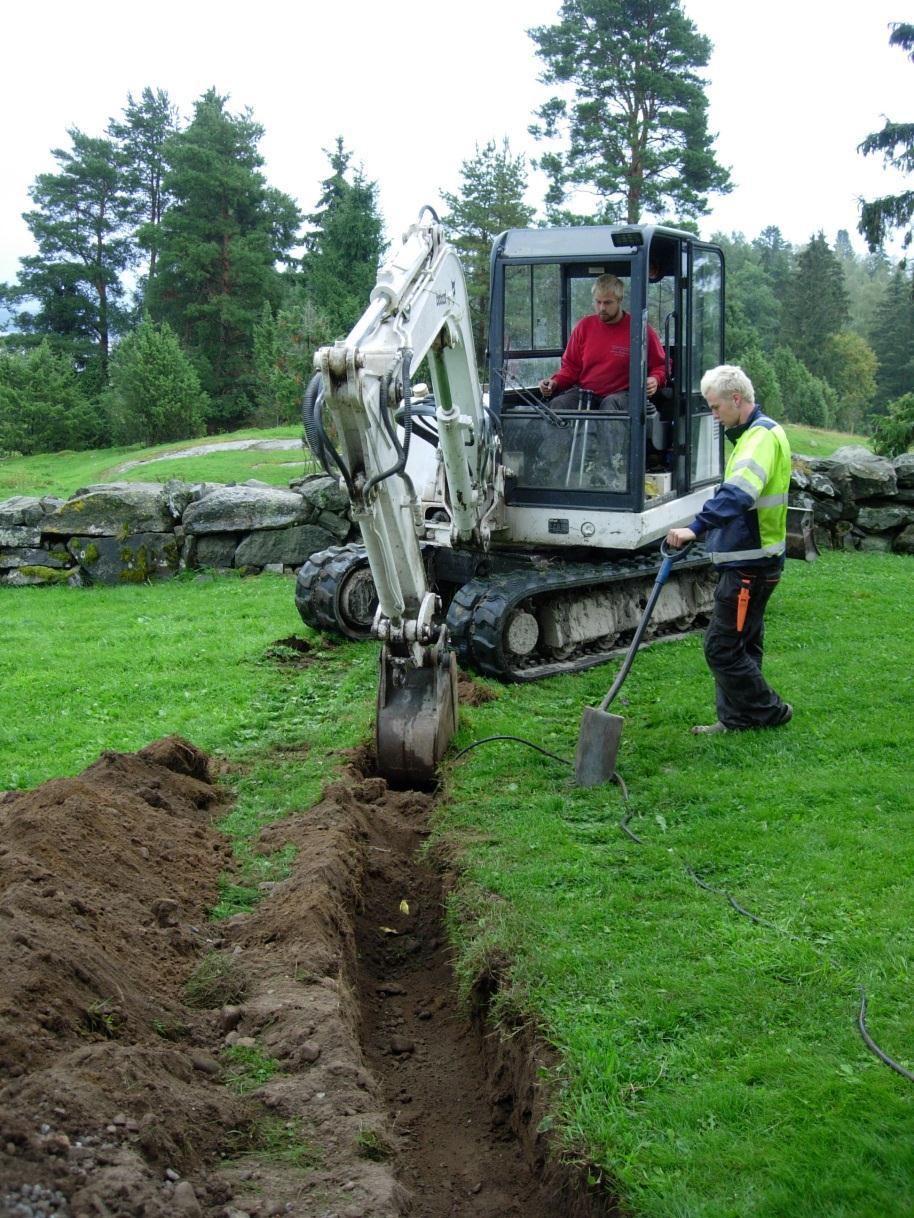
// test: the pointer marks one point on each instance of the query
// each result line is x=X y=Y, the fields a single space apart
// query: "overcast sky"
x=413 y=87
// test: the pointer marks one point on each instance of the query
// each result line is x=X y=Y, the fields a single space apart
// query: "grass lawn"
x=63 y=473
x=816 y=442
x=707 y=1065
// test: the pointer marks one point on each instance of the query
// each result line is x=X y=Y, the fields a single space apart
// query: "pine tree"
x=636 y=131
x=80 y=226
x=815 y=304
x=141 y=136
x=880 y=217
x=491 y=199
x=345 y=246
x=220 y=241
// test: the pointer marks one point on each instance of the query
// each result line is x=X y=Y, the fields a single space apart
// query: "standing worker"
x=745 y=526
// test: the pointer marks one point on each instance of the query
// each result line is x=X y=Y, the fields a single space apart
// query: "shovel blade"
x=598 y=746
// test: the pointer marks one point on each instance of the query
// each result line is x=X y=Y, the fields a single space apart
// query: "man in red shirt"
x=597 y=355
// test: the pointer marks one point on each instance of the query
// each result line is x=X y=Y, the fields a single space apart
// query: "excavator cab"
x=615 y=480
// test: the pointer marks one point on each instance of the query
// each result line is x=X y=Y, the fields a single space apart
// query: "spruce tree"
x=220 y=241
x=815 y=304
x=345 y=246
x=892 y=339
x=155 y=393
x=491 y=199
x=880 y=217
x=636 y=131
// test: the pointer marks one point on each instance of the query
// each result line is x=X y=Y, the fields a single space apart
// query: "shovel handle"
x=669 y=557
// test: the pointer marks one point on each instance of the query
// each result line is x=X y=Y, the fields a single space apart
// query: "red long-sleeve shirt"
x=597 y=356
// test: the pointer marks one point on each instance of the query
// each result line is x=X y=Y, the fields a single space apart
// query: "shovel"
x=598 y=742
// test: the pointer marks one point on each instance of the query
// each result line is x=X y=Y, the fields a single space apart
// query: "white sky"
x=413 y=87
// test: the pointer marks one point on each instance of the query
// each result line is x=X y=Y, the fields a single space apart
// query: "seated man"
x=597 y=355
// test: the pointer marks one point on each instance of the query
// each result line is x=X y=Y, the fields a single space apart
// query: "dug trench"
x=308 y=1057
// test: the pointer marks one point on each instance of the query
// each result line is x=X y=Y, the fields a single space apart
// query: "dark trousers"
x=744 y=697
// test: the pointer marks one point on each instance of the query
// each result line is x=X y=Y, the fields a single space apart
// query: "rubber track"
x=479 y=611
x=317 y=587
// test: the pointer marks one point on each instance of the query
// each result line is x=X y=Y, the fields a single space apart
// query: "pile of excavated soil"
x=116 y=1060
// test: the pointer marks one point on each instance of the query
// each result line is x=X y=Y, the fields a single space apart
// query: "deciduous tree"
x=635 y=126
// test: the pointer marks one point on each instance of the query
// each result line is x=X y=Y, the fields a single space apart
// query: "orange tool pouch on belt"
x=742 y=605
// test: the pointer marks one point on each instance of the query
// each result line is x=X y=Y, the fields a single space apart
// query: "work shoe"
x=708 y=729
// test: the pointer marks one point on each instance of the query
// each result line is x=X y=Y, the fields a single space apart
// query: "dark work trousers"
x=744 y=697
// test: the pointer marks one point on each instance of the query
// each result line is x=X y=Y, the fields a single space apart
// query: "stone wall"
x=128 y=532
x=859 y=501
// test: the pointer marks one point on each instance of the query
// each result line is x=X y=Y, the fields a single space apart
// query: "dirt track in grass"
x=116 y=1095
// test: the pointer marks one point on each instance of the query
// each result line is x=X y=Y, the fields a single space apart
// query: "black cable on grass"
x=720 y=892
x=873 y=1047
x=519 y=739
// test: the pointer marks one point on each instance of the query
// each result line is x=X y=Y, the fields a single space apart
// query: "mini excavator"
x=519 y=539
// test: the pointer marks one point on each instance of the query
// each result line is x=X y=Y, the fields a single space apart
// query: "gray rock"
x=339 y=526
x=820 y=485
x=58 y=557
x=323 y=492
x=131 y=560
x=857 y=473
x=288 y=546
x=904 y=542
x=117 y=509
x=875 y=543
x=24 y=577
x=904 y=470
x=881 y=517
x=246 y=508
x=185 y=1200
x=799 y=479
x=214 y=549
x=177 y=495
x=21 y=509
x=19 y=535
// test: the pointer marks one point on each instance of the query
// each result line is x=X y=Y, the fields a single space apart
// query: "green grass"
x=709 y=1065
x=63 y=473
x=247 y=1068
x=706 y=1066
x=817 y=442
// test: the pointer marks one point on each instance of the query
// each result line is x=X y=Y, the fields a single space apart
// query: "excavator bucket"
x=801 y=541
x=417 y=717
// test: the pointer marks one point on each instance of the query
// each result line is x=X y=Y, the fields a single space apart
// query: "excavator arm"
x=361 y=427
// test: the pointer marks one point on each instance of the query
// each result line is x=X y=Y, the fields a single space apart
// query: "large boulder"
x=858 y=473
x=904 y=542
x=904 y=470
x=21 y=510
x=211 y=550
x=324 y=492
x=113 y=509
x=129 y=560
x=29 y=556
x=242 y=509
x=19 y=535
x=290 y=547
x=883 y=517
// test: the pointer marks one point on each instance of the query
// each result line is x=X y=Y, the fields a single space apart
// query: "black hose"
x=390 y=426
x=313 y=400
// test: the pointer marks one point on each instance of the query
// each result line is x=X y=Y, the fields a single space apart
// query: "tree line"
x=173 y=291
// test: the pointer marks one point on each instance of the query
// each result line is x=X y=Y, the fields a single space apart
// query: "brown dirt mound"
x=114 y=1102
